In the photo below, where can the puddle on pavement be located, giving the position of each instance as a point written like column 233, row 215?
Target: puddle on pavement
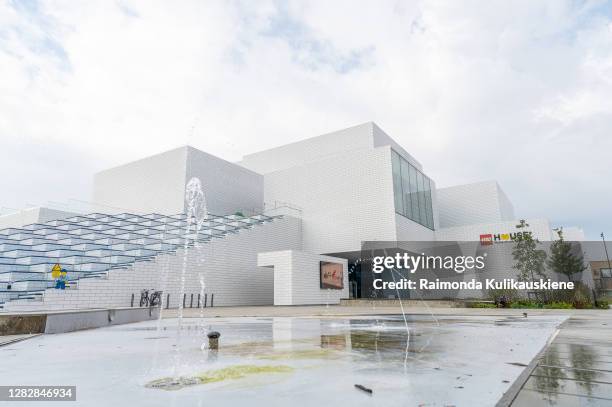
column 355, row 342
column 575, row 370
column 552, row 385
column 572, row 369
column 440, row 361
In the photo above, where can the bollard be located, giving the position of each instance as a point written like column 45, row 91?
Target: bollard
column 167, row 301
column 212, row 298
column 205, row 300
column 191, row 302
column 213, row 340
column 184, row 297
column 199, row 303
column 132, row 302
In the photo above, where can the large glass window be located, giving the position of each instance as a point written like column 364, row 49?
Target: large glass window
column 397, row 181
column 406, row 189
column 428, row 204
column 412, row 191
column 414, row 194
column 422, row 218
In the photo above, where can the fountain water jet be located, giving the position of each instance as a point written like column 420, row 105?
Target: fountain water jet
column 196, row 213
column 163, row 286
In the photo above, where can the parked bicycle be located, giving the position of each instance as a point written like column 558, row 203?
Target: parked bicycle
column 156, row 299
column 144, row 298
column 150, row 300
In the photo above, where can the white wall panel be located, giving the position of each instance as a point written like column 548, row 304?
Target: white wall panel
column 297, row 278
column 228, row 187
column 309, row 150
column 157, row 184
column 539, row 227
column 228, row 266
column 344, row 200
column 153, row 184
column 32, row 215
column 482, row 202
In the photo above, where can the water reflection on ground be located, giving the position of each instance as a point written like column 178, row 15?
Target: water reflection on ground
column 575, row 370
column 298, row 361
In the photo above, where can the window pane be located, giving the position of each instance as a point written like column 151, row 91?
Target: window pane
column 428, row 208
column 406, row 188
column 421, row 186
column 411, row 191
column 397, row 182
column 413, row 194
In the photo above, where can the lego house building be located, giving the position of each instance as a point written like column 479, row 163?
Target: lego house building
column 284, row 226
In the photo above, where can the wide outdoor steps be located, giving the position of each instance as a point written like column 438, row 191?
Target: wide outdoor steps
column 88, row 246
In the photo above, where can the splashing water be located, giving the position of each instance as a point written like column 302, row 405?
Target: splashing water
column 163, row 286
column 399, row 297
column 196, row 213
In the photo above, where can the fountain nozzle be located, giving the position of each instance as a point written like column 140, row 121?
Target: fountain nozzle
column 213, row 340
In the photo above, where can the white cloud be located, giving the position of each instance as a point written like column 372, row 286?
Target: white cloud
column 516, row 91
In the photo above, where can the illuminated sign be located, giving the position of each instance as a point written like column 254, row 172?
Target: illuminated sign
column 486, row 240
column 331, row 275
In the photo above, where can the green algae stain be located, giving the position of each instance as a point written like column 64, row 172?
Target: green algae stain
column 212, row 376
column 300, row 354
column 240, row 371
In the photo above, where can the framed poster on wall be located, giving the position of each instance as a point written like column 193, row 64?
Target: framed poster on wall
column 332, row 275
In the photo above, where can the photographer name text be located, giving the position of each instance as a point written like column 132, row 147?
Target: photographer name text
column 489, row 284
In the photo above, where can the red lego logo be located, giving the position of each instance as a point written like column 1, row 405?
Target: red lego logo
column 486, row 240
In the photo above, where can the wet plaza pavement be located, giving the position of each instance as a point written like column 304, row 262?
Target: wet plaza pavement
column 576, row 369
column 425, row 360
column 9, row 339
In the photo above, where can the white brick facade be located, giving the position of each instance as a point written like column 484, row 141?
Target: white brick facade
column 482, row 202
column 297, row 278
column 540, row 227
column 157, row 184
column 32, row 215
column 228, row 265
column 153, row 184
column 343, row 200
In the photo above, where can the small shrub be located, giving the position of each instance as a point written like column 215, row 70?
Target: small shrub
column 526, row 304
column 560, row 295
column 582, row 297
column 582, row 304
column 603, row 304
column 503, row 298
column 559, row 305
column 483, row 305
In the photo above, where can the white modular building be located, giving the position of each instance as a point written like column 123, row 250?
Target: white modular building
column 285, row 226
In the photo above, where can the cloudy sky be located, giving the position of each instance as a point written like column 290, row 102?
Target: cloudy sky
column 517, row 91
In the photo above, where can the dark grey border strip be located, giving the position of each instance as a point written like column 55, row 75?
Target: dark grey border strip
column 508, row 397
column 23, row 338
